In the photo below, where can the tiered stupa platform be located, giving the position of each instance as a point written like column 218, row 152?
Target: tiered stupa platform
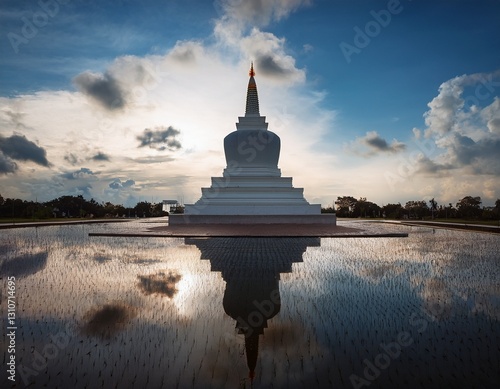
column 251, row 189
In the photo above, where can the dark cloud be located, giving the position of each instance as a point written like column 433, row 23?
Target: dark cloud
column 106, row 321
column 479, row 157
column 161, row 283
column 74, row 159
column 18, row 147
column 482, row 155
column 268, row 65
column 427, row 166
column 118, row 184
column 7, row 165
column 100, row 156
column 377, row 144
column 160, row 138
column 24, row 265
column 103, row 88
column 82, row 173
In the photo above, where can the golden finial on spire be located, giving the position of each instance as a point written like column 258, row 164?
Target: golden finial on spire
column 251, row 73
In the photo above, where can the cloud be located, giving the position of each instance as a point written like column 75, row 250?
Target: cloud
column 494, row 125
column 16, row 118
column 100, row 156
column 160, row 138
column 162, row 283
column 74, row 159
column 462, row 131
column 82, row 173
column 7, row 165
column 307, row 48
column 259, row 12
column 269, row 54
column 269, row 65
column 425, row 165
column 151, row 159
column 446, row 110
column 376, row 145
column 102, row 88
column 186, row 52
column 118, row 184
column 237, row 30
column 19, row 148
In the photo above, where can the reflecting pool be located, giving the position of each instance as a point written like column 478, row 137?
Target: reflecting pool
column 115, row 312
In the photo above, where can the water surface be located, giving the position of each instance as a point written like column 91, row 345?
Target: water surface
column 422, row 311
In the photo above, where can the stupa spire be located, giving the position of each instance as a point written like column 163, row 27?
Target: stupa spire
column 252, row 107
column 252, row 72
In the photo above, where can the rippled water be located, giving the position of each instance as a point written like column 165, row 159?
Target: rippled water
column 92, row 312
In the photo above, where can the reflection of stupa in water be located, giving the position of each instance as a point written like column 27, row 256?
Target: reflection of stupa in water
column 251, row 268
column 251, row 189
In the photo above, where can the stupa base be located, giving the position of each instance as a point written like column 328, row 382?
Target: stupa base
column 325, row 218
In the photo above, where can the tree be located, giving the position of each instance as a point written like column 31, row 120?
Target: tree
column 393, row 211
column 70, row 206
column 345, row 205
column 416, row 209
column 469, row 207
column 143, row 209
column 496, row 210
column 364, row 208
column 433, row 203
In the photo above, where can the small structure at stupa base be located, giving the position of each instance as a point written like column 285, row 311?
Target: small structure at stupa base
column 251, row 189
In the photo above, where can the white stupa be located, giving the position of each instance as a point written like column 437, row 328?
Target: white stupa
column 251, row 189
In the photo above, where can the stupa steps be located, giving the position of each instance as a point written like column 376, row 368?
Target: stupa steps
column 295, row 194
column 251, row 182
column 231, row 201
column 255, row 209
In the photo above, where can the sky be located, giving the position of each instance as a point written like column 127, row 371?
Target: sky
column 128, row 101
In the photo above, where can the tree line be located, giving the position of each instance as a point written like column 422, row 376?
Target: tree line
column 76, row 206
column 468, row 207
